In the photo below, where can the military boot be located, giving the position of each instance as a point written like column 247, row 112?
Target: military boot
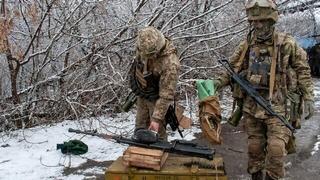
column 257, row 176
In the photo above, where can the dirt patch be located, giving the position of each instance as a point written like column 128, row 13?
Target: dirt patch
column 233, row 150
column 90, row 169
column 301, row 165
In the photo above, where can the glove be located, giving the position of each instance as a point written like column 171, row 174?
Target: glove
column 309, row 107
column 217, row 84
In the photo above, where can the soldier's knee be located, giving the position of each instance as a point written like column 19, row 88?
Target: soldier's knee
column 276, row 147
column 255, row 146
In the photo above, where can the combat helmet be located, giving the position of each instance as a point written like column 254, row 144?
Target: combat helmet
column 150, row 41
column 261, row 10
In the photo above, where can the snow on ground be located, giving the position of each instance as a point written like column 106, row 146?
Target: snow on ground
column 316, row 146
column 31, row 154
column 317, row 94
column 317, row 109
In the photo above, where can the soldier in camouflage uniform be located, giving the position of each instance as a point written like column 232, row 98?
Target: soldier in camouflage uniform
column 154, row 79
column 266, row 59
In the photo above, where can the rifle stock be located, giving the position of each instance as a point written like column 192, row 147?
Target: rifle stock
column 250, row 91
column 176, row 147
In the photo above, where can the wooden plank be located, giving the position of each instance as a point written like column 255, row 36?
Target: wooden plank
column 145, row 151
column 146, row 158
column 164, row 159
column 143, row 164
column 142, row 157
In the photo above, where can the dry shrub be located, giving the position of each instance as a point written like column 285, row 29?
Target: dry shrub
column 33, row 13
column 5, row 29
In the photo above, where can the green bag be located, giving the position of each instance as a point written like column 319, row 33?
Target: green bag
column 205, row 88
column 75, row 147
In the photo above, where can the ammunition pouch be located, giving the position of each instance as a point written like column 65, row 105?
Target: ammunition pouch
column 151, row 91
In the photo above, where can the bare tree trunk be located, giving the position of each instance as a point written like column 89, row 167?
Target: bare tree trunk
column 14, row 67
column 1, row 92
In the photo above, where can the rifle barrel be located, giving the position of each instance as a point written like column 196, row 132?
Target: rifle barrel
column 91, row 133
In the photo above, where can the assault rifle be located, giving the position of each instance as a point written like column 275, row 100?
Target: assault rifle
column 251, row 91
column 176, row 146
column 172, row 120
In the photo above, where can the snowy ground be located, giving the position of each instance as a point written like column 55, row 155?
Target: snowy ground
column 31, row 154
column 317, row 108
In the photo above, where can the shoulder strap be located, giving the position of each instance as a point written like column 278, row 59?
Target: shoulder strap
column 278, row 41
column 245, row 48
column 244, row 52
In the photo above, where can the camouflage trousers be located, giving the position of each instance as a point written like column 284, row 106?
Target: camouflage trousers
column 267, row 140
column 144, row 113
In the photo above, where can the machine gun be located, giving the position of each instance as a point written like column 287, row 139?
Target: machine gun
column 250, row 91
column 176, row 146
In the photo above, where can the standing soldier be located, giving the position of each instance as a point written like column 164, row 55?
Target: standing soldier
column 265, row 59
column 154, row 76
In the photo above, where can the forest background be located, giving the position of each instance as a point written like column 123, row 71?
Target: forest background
column 70, row 59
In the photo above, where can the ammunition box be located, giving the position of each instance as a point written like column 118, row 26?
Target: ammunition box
column 175, row 168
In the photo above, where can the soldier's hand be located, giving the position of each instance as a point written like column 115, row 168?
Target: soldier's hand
column 154, row 126
column 309, row 107
column 217, row 84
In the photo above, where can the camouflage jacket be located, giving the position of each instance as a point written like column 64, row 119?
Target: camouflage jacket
column 292, row 72
column 165, row 68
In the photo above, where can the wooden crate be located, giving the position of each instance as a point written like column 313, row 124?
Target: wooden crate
column 146, row 158
column 175, row 168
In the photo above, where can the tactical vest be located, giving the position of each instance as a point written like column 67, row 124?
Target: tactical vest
column 263, row 66
column 149, row 90
column 259, row 66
